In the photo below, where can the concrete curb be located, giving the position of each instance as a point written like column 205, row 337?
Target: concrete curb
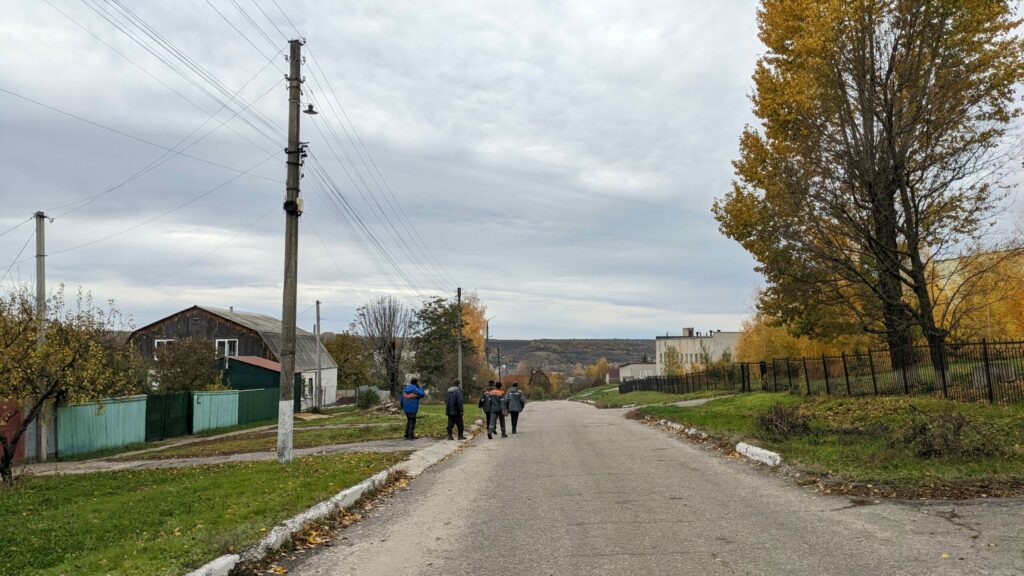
column 759, row 454
column 750, row 451
column 416, row 463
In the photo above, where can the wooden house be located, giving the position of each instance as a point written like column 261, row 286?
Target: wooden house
column 236, row 334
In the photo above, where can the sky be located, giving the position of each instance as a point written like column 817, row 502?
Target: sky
column 559, row 159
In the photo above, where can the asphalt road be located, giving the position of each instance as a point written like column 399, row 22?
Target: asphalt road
column 583, row 491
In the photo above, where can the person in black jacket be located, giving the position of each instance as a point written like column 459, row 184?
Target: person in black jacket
column 454, row 407
column 483, row 401
column 515, row 401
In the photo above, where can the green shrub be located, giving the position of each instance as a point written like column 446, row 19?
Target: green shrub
column 367, row 398
column 536, row 393
column 780, row 422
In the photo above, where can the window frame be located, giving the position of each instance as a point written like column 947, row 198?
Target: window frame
column 227, row 347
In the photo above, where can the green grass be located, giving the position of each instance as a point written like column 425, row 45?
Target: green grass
column 608, row 396
column 161, row 521
column 860, row 439
column 431, row 422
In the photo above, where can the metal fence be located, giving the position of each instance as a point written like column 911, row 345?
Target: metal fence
column 973, row 371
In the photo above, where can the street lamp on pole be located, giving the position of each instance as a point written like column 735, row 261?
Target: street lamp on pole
column 487, row 339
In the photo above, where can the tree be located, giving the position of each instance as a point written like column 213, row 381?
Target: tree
column 354, row 362
column 385, row 324
column 595, row 374
column 187, row 364
column 879, row 151
column 80, row 359
column 437, row 341
column 673, row 365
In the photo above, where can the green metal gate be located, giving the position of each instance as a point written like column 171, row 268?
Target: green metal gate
column 168, row 415
column 257, row 405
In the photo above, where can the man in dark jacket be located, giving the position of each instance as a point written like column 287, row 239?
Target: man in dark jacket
column 411, row 395
column 453, row 408
column 516, row 401
column 495, row 407
column 483, row 401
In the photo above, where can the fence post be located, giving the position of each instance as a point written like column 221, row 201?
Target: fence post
column 789, row 375
column 988, row 371
column 846, row 374
column 903, row 370
column 807, row 375
column 824, row 367
column 775, row 376
column 874, row 381
column 942, row 370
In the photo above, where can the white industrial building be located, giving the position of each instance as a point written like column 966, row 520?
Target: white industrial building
column 694, row 348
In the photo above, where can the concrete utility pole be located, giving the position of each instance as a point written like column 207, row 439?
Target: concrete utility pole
column 292, row 209
column 499, row 362
column 319, row 388
column 41, row 447
column 458, row 295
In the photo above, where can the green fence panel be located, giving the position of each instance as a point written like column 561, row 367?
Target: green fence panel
column 256, row 405
column 109, row 423
column 168, row 415
column 214, row 410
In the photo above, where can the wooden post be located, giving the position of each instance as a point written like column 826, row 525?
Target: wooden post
column 988, row 371
column 807, row 375
column 846, row 374
column 874, row 380
column 824, row 366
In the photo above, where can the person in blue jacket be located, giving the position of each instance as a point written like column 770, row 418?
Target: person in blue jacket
column 411, row 395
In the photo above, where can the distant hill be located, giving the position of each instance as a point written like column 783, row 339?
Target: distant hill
column 561, row 355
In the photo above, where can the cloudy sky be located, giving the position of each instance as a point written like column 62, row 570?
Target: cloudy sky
column 558, row 158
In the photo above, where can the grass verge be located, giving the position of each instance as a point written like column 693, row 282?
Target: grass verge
column 877, row 440
column 608, row 396
column 431, row 422
column 162, row 521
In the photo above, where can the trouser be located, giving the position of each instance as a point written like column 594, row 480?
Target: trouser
column 456, row 421
column 496, row 417
column 410, row 425
column 515, row 420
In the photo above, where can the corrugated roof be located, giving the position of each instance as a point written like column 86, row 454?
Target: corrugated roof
column 305, row 350
column 252, row 320
column 270, row 329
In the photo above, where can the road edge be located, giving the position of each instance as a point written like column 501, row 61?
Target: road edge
column 414, row 465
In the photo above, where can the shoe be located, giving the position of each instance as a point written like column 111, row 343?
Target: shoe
column 513, row 431
column 450, row 437
column 413, row 438
column 504, row 435
column 461, row 438
column 489, row 437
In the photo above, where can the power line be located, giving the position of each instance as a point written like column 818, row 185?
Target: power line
column 211, row 252
column 131, row 136
column 165, row 157
column 165, row 213
column 15, row 261
column 16, row 226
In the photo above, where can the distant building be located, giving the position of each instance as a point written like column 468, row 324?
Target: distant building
column 238, row 334
column 694, row 348
column 637, row 370
column 612, row 376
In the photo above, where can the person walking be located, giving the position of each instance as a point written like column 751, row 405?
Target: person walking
column 495, row 406
column 453, row 408
column 411, row 395
column 516, row 401
column 483, row 402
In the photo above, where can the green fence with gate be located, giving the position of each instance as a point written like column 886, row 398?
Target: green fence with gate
column 214, row 410
column 168, row 415
column 257, row 405
column 93, row 426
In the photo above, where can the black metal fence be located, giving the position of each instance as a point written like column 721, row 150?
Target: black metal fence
column 975, row 371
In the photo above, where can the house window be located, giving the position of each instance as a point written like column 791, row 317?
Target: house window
column 227, row 347
column 159, row 343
